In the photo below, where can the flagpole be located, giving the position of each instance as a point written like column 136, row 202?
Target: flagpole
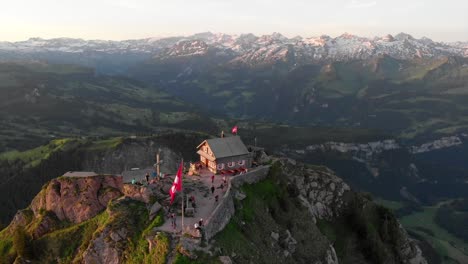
column 181, row 181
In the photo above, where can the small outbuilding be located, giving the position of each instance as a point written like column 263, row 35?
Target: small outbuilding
column 224, row 153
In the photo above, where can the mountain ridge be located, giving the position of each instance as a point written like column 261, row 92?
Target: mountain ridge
column 248, row 49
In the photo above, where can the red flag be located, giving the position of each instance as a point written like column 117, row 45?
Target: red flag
column 177, row 185
column 234, row 130
column 172, row 192
column 178, row 177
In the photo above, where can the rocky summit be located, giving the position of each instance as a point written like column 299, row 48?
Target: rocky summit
column 282, row 212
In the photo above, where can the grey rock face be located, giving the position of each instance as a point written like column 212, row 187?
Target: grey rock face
column 104, row 249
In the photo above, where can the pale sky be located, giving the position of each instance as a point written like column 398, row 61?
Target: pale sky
column 441, row 20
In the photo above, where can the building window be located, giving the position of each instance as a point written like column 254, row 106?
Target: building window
column 220, row 166
column 231, row 164
column 205, row 149
column 241, row 162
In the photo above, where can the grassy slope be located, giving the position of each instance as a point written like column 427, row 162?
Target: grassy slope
column 423, row 224
column 412, row 98
column 446, row 244
column 267, row 208
column 40, row 101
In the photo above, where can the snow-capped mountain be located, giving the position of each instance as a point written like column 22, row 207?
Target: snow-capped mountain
column 245, row 49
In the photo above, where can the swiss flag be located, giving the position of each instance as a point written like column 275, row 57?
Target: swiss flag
column 177, row 185
column 172, row 192
column 234, row 130
column 178, row 177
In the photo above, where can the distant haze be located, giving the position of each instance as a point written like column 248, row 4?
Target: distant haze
column 129, row 19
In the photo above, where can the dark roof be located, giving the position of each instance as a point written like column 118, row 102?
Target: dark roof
column 226, row 146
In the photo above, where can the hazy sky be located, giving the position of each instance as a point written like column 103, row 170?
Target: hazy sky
column 442, row 20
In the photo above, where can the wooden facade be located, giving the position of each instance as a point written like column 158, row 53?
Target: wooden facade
column 226, row 153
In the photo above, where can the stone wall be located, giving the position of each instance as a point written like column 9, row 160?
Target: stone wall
column 221, row 215
column 255, row 175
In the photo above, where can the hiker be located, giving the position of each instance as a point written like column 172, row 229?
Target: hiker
column 200, row 223
column 194, row 205
column 133, row 181
column 173, row 220
column 212, row 189
column 224, row 180
column 193, row 198
column 221, row 187
column 216, row 198
column 147, row 178
column 212, row 178
column 198, row 228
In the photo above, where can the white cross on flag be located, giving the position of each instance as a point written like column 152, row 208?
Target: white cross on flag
column 177, row 185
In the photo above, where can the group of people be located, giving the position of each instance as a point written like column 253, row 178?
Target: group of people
column 198, row 226
column 223, row 183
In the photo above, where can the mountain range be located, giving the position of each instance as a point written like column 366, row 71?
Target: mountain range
column 245, row 49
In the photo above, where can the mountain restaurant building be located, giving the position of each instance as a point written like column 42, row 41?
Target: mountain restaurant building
column 224, row 153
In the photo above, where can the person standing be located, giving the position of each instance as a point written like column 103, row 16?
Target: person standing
column 147, row 178
column 212, row 189
column 212, row 179
column 224, row 180
column 173, row 220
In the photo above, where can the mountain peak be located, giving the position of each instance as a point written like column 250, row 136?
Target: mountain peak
column 403, row 36
column 279, row 36
column 347, row 35
column 388, row 38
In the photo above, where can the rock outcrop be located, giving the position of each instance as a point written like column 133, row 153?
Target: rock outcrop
column 137, row 192
column 319, row 189
column 104, row 248
column 328, row 197
column 77, row 199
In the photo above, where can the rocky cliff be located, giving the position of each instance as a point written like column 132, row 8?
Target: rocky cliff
column 306, row 214
column 294, row 214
